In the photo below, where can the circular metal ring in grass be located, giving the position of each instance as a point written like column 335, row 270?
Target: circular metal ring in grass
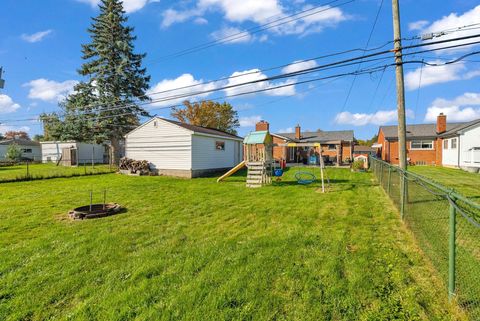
column 95, row 211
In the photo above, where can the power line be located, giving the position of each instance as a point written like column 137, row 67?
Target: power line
column 363, row 71
column 366, row 46
column 289, row 64
column 309, row 70
column 256, row 29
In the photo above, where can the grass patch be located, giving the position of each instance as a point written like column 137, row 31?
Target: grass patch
column 19, row 172
column 463, row 182
column 198, row 250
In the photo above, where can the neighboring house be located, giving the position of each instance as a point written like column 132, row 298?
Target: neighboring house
column 178, row 149
column 461, row 145
column 72, row 153
column 30, row 149
column 360, row 150
column 336, row 145
column 426, row 142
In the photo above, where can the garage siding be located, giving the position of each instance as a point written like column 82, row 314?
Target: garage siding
column 165, row 146
column 206, row 156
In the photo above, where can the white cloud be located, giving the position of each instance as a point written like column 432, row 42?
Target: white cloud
column 171, row 16
column 462, row 108
column 200, row 21
column 299, row 65
column 417, row 25
column 4, row 129
column 240, row 11
column 181, row 81
column 240, row 77
column 453, row 21
column 37, row 36
column 49, row 90
column 380, row 117
column 7, row 105
column 128, row 5
column 261, row 12
column 434, row 75
column 249, row 121
column 234, row 35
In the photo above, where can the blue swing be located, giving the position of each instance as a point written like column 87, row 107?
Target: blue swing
column 305, row 178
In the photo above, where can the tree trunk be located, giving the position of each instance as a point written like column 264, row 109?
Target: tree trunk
column 115, row 151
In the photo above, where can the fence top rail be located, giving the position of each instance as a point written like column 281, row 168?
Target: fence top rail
column 450, row 192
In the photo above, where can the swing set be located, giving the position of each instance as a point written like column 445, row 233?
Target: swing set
column 307, row 177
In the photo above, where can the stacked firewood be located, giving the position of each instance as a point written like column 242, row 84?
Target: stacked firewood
column 134, row 166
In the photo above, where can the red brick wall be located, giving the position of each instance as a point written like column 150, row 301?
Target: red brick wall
column 279, row 152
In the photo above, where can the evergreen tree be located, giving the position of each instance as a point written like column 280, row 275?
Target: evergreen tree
column 105, row 105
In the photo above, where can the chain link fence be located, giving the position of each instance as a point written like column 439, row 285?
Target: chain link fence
column 446, row 226
column 27, row 170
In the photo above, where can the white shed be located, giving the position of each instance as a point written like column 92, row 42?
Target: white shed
column 78, row 153
column 30, row 149
column 178, row 149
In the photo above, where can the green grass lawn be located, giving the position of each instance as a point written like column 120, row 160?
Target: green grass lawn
column 198, row 250
column 39, row 171
column 463, row 182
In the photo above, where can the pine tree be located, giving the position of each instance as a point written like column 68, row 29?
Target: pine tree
column 105, row 105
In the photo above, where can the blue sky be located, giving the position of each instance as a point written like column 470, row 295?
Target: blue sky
column 40, row 52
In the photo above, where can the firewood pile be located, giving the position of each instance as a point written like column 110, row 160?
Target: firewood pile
column 134, row 166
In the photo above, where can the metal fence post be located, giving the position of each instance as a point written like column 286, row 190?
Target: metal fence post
column 451, row 252
column 28, row 171
column 389, row 179
column 84, row 168
column 381, row 174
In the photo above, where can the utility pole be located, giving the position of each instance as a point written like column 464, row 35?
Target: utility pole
column 2, row 82
column 402, row 131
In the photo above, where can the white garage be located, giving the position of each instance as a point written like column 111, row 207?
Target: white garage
column 179, row 149
column 73, row 153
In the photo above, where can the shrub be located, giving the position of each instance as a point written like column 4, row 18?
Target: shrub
column 358, row 165
column 14, row 152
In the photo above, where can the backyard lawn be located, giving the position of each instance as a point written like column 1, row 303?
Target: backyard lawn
column 198, row 250
column 39, row 171
column 463, row 182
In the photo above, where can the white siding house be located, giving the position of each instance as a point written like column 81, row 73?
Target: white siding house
column 30, row 149
column 184, row 150
column 84, row 152
column 461, row 146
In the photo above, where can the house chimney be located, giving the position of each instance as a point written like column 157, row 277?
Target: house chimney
column 262, row 125
column 441, row 123
column 298, row 134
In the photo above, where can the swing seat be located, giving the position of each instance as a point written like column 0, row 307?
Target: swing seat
column 304, row 178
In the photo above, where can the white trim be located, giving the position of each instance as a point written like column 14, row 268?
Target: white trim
column 218, row 136
column 421, row 140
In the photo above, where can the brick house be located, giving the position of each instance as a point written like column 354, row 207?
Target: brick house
column 424, row 142
column 336, row 145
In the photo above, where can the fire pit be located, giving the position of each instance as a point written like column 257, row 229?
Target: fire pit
column 95, row 211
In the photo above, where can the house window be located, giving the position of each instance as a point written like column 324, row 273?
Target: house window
column 421, row 144
column 26, row 150
column 292, row 153
column 332, row 147
column 454, row 143
column 445, row 144
column 219, row 145
column 155, row 124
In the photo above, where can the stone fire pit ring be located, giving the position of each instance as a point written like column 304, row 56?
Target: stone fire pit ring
column 96, row 211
